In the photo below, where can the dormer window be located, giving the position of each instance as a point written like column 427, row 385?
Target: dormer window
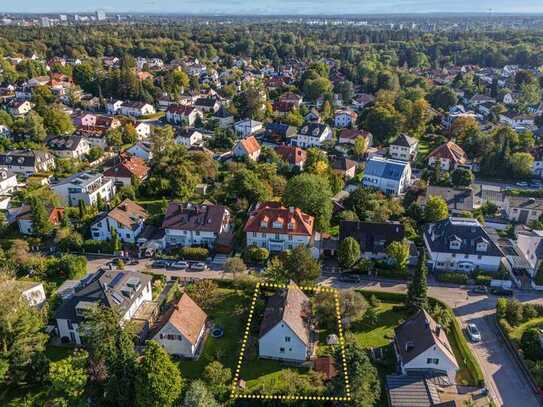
column 482, row 246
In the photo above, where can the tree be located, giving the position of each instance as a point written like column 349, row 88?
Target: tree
column 218, row 379
column 521, row 164
column 348, row 252
column 363, row 375
column 40, row 218
column 417, row 292
column 442, row 97
column 360, row 146
column 530, row 344
column 198, row 395
column 235, row 265
column 436, row 209
column 116, row 244
column 398, row 251
column 57, row 122
column 158, row 382
column 203, row 292
column 22, row 335
column 110, row 345
column 312, row 195
column 383, row 121
column 314, row 88
column 297, row 265
column 69, row 376
column 462, row 177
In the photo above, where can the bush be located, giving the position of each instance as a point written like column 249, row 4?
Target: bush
column 257, row 254
column 455, row 278
column 530, row 345
column 483, row 280
column 194, row 253
column 96, row 246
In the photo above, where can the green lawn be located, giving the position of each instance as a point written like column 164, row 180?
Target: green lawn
column 517, row 331
column 381, row 334
column 226, row 313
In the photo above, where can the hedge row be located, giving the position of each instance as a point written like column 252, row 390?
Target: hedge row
column 455, row 278
column 456, row 333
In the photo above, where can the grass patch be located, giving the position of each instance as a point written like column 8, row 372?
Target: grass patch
column 227, row 312
column 390, row 315
column 56, row 353
column 516, row 332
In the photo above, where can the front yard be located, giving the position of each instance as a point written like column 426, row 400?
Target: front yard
column 228, row 312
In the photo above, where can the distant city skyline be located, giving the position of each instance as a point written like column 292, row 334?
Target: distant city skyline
column 271, row 7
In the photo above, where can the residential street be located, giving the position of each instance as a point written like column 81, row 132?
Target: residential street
column 507, row 385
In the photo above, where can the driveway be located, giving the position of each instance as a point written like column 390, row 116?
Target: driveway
column 507, row 385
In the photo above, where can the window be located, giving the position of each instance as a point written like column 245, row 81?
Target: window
column 287, row 338
column 197, row 233
column 289, row 237
column 70, row 326
column 282, row 350
column 254, row 234
column 72, row 337
column 432, row 361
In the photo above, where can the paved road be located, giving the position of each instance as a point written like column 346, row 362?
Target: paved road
column 507, row 385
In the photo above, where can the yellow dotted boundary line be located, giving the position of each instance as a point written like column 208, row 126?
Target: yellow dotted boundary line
column 235, row 395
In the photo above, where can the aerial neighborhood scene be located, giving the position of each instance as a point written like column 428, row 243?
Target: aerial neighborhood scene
column 291, row 203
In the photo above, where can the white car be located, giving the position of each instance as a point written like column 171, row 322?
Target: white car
column 180, row 265
column 198, row 266
column 473, row 333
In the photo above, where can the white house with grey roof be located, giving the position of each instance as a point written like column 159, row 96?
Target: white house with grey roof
column 86, row 187
column 421, row 345
column 403, row 148
column 124, row 291
column 313, row 135
column 285, row 333
column 461, row 245
column 387, row 175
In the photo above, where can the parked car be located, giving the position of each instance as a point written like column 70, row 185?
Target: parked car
column 160, row 264
column 198, row 266
column 480, row 289
column 522, row 184
column 502, row 292
column 473, row 333
column 180, row 265
column 349, row 278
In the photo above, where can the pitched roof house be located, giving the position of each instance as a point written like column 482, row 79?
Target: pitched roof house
column 294, row 156
column 422, row 345
column 130, row 166
column 458, row 200
column 127, row 219
column 450, row 155
column 348, row 136
column 181, row 330
column 285, row 333
column 390, row 176
column 248, row 147
column 403, row 148
column 277, row 228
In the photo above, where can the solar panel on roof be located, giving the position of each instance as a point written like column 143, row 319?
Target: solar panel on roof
column 117, row 279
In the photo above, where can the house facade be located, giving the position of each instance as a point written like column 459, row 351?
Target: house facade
column 449, row 155
column 245, row 128
column 27, row 162
column 127, row 219
column 181, row 330
column 247, row 147
column 461, row 245
column 284, row 332
column 86, row 187
column 421, row 345
column 403, row 148
column 276, row 228
column 313, row 135
column 125, row 291
column 387, row 175
column 523, row 209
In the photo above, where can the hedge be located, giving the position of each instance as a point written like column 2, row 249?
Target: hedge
column 483, row 280
column 456, row 334
column 455, row 278
column 194, row 253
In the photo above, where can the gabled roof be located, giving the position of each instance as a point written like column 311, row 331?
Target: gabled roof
column 129, row 166
column 313, row 129
column 290, row 221
column 129, row 214
column 418, row 334
column 450, row 151
column 469, row 231
column 188, row 216
column 290, row 306
column 351, row 134
column 250, row 145
column 372, row 237
column 187, row 317
column 403, row 140
column 292, row 155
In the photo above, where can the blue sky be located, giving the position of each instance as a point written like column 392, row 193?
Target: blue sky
column 275, row 6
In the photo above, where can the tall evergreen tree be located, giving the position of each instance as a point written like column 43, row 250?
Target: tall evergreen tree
column 417, row 292
column 40, row 218
column 159, row 382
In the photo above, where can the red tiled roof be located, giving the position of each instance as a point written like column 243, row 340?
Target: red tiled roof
column 451, row 151
column 187, row 317
column 250, row 145
column 352, row 134
column 183, row 110
column 293, row 221
column 292, row 155
column 130, row 165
